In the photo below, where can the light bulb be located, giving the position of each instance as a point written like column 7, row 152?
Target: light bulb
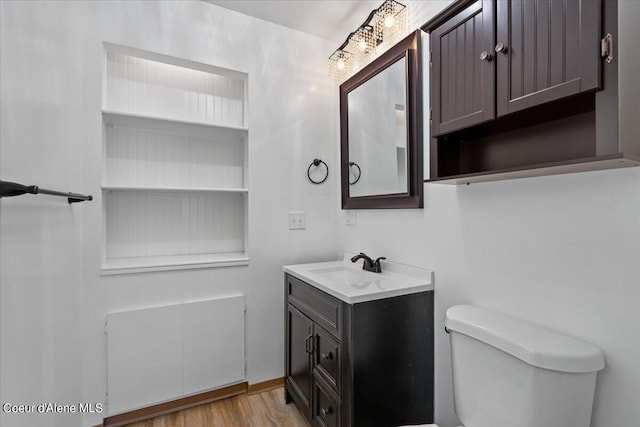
column 340, row 64
column 388, row 21
column 362, row 45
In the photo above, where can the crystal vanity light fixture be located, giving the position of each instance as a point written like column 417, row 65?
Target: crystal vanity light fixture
column 382, row 28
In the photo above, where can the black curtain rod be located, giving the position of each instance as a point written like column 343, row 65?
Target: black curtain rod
column 10, row 189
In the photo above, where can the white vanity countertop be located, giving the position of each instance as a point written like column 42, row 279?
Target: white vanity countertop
column 348, row 282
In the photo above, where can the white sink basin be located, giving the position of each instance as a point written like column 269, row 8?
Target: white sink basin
column 350, row 283
column 347, row 276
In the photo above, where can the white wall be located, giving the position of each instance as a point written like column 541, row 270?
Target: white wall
column 41, row 242
column 54, row 301
column 559, row 251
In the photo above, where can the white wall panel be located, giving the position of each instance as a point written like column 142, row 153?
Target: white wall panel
column 147, row 156
column 148, row 224
column 144, row 355
column 142, row 86
column 163, row 353
column 213, row 343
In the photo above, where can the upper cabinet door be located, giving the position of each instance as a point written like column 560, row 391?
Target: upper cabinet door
column 462, row 69
column 546, row 50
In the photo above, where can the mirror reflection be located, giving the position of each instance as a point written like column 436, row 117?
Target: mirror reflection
column 378, row 133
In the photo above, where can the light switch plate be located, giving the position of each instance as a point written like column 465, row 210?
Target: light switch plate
column 351, row 218
column 297, row 221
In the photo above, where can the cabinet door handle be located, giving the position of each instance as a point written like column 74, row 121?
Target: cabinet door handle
column 486, row 56
column 327, row 356
column 309, row 344
column 606, row 48
column 500, row 47
column 327, row 411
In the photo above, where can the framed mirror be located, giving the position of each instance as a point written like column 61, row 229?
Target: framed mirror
column 381, row 131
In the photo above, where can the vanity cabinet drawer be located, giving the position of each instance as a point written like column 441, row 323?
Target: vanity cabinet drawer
column 326, row 408
column 327, row 357
column 319, row 306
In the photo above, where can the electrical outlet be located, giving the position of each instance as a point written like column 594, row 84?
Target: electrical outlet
column 296, row 221
column 351, row 218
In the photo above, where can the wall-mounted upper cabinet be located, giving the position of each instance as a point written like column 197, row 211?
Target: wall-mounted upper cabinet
column 523, row 88
column 493, row 58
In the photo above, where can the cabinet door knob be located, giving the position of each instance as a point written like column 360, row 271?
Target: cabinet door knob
column 327, row 411
column 485, row 56
column 500, row 47
column 327, row 356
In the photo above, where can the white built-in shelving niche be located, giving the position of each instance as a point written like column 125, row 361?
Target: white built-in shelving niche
column 174, row 184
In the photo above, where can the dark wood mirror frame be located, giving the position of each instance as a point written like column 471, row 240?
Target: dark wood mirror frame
column 409, row 48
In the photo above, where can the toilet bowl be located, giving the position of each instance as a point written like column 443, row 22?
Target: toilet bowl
column 507, row 370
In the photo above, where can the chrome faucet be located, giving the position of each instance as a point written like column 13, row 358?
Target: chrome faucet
column 369, row 264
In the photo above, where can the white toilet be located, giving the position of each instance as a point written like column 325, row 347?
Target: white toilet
column 511, row 373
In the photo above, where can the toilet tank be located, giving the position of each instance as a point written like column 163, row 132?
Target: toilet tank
column 512, row 373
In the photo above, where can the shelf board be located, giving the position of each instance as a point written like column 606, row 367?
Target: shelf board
column 172, row 262
column 147, row 122
column 173, row 189
column 613, row 161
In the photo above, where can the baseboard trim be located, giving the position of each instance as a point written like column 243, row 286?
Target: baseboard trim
column 265, row 386
column 175, row 405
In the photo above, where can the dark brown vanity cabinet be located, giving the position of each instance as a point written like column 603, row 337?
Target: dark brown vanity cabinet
column 496, row 57
column 366, row 364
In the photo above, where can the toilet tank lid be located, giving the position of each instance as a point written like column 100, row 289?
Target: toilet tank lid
column 530, row 343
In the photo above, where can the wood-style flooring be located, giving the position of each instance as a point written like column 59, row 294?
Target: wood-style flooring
column 263, row 409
